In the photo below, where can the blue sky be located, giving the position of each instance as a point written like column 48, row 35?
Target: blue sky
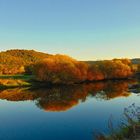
column 83, row 29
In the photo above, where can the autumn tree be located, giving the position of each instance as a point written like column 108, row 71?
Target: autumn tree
column 110, row 69
column 16, row 61
column 64, row 69
column 61, row 69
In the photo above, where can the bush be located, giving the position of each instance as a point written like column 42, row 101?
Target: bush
column 110, row 69
column 64, row 69
column 61, row 69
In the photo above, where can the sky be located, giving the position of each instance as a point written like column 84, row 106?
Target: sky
column 83, row 29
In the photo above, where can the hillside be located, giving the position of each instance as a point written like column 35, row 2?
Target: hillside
column 15, row 61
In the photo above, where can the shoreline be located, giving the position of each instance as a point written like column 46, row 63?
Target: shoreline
column 15, row 81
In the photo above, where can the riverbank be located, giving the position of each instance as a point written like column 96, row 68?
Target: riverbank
column 13, row 81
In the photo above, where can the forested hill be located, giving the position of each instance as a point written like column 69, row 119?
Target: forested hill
column 15, row 61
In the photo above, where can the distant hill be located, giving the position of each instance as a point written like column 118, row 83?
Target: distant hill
column 15, row 61
column 136, row 61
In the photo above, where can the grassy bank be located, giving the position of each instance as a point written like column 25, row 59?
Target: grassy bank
column 11, row 81
column 19, row 76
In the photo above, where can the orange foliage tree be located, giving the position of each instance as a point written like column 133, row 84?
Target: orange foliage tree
column 19, row 61
column 64, row 69
column 110, row 69
column 61, row 69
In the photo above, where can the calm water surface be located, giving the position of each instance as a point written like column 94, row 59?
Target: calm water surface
column 63, row 113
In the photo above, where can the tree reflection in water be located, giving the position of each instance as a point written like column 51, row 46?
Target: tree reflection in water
column 62, row 98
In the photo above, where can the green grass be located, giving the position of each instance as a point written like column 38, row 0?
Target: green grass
column 20, row 76
column 11, row 81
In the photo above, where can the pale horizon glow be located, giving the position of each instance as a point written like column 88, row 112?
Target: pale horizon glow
column 82, row 29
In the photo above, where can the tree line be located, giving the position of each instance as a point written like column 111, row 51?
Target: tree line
column 64, row 69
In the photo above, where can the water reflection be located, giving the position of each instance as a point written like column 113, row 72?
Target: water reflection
column 65, row 97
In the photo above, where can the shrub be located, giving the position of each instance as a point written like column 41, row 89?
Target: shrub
column 61, row 69
column 110, row 69
column 64, row 69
